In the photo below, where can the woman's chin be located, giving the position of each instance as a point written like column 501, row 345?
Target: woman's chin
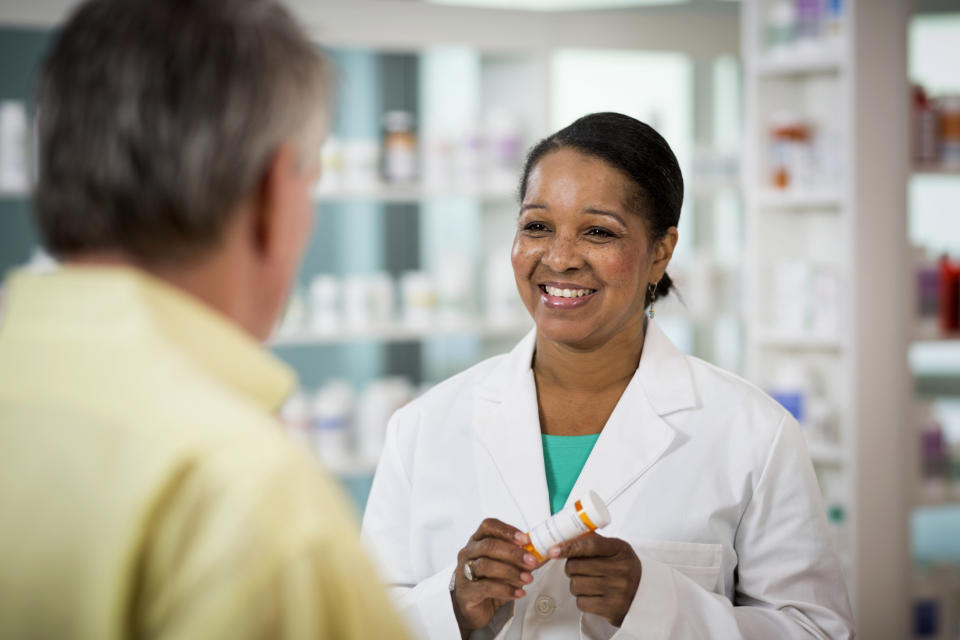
column 568, row 332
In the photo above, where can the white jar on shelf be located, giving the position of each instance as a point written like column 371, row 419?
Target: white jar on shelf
column 419, row 299
column 332, row 418
column 14, row 163
column 325, row 304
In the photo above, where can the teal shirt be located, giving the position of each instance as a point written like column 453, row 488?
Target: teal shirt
column 563, row 458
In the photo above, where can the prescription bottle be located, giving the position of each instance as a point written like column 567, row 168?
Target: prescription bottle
column 580, row 518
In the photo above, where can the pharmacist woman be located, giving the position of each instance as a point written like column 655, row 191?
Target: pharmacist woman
column 717, row 526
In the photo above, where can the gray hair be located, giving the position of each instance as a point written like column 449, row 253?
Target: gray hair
column 156, row 118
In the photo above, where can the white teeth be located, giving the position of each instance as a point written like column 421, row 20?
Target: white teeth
column 567, row 293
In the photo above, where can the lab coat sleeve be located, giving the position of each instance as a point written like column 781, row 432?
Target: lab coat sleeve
column 424, row 602
column 790, row 582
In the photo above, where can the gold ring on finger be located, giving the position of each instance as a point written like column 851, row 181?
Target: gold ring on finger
column 468, row 571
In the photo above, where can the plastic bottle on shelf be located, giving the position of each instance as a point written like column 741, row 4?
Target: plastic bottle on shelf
column 821, row 420
column 809, row 16
column 839, row 529
column 926, row 128
column 504, row 150
column 780, row 28
column 382, row 290
column 332, row 420
column 360, row 164
column 949, row 295
column 790, row 152
column 928, row 291
column 399, row 147
column 833, row 18
column 933, row 453
column 14, row 165
column 295, row 416
column 455, row 286
column 419, row 299
column 949, row 107
column 325, row 304
column 379, row 400
column 790, row 387
column 357, row 302
column 331, row 166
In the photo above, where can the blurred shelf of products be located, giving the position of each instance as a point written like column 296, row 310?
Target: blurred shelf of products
column 407, row 279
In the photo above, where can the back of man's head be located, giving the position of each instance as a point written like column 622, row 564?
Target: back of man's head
column 157, row 118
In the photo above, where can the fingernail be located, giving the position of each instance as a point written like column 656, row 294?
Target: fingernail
column 554, row 552
column 529, row 560
column 519, row 593
column 526, row 577
column 521, row 538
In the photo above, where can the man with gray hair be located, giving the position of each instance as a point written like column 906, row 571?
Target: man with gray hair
column 145, row 488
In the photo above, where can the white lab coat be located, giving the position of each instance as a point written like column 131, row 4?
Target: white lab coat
column 705, row 476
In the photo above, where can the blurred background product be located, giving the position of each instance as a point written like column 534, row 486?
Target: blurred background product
column 819, row 240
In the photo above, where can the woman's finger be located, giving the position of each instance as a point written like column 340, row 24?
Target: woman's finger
column 589, row 586
column 486, row 589
column 489, row 568
column 493, row 528
column 592, row 545
column 503, row 551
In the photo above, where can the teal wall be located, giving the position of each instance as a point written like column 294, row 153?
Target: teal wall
column 21, row 54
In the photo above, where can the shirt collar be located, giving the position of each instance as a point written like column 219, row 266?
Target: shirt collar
column 663, row 372
column 123, row 304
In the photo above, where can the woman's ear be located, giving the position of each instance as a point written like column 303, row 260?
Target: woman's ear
column 663, row 252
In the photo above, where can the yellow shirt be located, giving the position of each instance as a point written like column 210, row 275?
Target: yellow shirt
column 145, row 489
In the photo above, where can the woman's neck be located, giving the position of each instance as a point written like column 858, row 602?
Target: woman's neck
column 599, row 369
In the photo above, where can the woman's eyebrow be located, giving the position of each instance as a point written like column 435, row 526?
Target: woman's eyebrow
column 604, row 212
column 532, row 206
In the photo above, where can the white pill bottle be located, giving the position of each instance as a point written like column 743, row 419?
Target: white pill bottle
column 578, row 519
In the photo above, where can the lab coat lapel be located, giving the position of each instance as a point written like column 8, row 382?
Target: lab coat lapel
column 636, row 435
column 507, row 424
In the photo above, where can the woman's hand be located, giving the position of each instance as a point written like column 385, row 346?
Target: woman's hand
column 604, row 574
column 500, row 568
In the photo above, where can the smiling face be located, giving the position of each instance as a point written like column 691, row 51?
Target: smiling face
column 582, row 256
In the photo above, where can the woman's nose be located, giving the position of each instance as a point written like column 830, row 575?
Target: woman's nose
column 562, row 254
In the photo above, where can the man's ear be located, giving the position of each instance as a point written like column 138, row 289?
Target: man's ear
column 272, row 200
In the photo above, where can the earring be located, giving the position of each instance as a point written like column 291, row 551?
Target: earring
column 652, row 288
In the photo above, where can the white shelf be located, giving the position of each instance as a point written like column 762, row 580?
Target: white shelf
column 825, row 454
column 811, row 60
column 796, row 199
column 797, row 342
column 939, row 496
column 935, row 170
column 14, row 194
column 399, row 333
column 932, row 334
column 413, row 193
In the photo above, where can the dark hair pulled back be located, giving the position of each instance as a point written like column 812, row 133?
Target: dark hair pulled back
column 638, row 151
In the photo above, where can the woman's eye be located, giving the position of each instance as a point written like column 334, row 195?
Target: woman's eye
column 535, row 227
column 600, row 232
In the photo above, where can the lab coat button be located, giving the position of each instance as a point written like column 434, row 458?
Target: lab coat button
column 545, row 605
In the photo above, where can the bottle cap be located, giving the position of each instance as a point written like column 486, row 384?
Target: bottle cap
column 593, row 511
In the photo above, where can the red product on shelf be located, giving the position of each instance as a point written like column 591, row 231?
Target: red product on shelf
column 926, row 129
column 949, row 295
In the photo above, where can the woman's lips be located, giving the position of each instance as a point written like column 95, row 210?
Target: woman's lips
column 568, row 298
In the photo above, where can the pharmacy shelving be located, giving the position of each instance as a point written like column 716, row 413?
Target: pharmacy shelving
column 936, row 170
column 818, row 60
column 415, row 193
column 849, row 87
column 785, row 200
column 792, row 342
column 398, row 332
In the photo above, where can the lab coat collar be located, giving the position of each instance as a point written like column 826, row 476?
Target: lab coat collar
column 634, row 438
